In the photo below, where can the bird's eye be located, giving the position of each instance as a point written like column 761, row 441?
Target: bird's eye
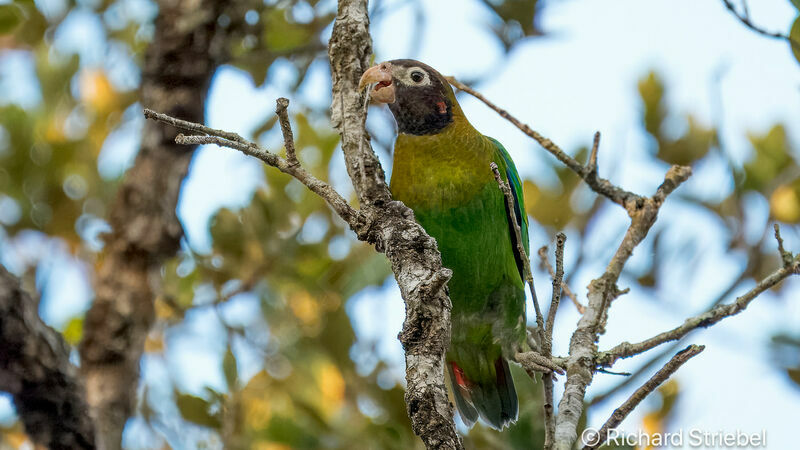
column 417, row 76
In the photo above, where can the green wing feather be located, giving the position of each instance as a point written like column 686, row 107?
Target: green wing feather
column 514, row 181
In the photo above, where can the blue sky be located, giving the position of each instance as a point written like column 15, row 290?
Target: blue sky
column 578, row 79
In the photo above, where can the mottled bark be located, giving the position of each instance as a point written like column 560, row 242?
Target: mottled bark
column 390, row 225
column 35, row 370
column 179, row 63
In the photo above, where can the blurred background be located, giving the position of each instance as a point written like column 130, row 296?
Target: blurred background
column 277, row 329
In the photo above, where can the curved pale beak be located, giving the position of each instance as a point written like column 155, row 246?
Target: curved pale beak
column 381, row 76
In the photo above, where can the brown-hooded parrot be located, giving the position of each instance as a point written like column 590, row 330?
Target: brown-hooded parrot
column 442, row 172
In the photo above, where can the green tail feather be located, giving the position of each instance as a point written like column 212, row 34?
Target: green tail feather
column 493, row 398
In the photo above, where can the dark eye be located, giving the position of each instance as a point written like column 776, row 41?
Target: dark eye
column 417, row 76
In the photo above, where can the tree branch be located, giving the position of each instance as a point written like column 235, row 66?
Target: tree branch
column 587, row 173
column 744, row 18
column 387, row 224
column 548, row 378
column 414, row 256
column 704, row 320
column 236, row 142
column 580, row 365
column 35, row 369
column 564, row 286
column 622, row 412
column 145, row 231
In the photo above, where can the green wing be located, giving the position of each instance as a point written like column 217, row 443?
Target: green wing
column 519, row 204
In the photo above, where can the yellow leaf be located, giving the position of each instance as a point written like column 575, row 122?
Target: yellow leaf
column 304, row 307
column 73, row 331
column 163, row 310
column 96, row 90
column 331, row 385
column 257, row 412
column 784, row 203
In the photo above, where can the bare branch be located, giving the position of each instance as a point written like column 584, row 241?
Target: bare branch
column 705, row 320
column 786, row 257
column 145, row 231
column 564, row 286
column 588, row 174
column 744, row 17
column 582, row 349
column 35, row 369
column 592, row 164
column 558, row 283
column 622, row 412
column 286, row 130
column 547, row 379
column 390, row 225
column 602, row 397
column 236, row 142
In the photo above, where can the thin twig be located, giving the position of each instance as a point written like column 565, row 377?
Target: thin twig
column 746, row 21
column 286, row 129
column 600, row 398
column 592, row 164
column 191, row 126
column 526, row 264
column 786, row 257
column 597, row 184
column 564, row 285
column 611, row 372
column 236, row 142
column 620, row 413
column 558, row 283
column 547, row 345
column 708, row 318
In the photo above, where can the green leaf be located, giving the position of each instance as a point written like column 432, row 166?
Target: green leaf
column 195, row 410
column 794, row 36
column 229, row 368
column 10, row 16
column 771, row 158
column 796, row 3
column 651, row 91
column 73, row 331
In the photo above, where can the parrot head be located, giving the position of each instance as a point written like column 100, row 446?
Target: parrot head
column 419, row 97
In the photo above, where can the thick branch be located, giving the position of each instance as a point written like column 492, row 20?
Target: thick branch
column 35, row 370
column 580, row 365
column 708, row 318
column 186, row 49
column 389, row 225
column 622, row 412
column 414, row 256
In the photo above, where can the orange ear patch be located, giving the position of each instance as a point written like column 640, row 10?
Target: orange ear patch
column 442, row 107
